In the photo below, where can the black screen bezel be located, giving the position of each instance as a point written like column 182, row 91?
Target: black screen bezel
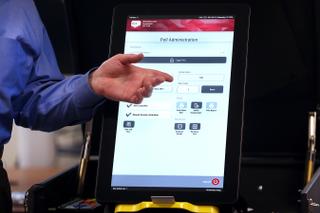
column 229, row 193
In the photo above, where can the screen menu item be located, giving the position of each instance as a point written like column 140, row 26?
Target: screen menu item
column 177, row 137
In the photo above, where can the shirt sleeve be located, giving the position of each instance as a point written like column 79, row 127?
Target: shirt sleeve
column 57, row 104
column 49, row 101
column 36, row 95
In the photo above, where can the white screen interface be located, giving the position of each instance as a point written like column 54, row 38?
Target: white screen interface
column 177, row 137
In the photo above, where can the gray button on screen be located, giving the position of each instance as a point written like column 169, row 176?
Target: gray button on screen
column 179, row 126
column 128, row 124
column 196, row 105
column 194, row 126
column 211, row 89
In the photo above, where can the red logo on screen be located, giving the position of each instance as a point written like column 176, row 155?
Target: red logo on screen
column 215, row 181
column 135, row 23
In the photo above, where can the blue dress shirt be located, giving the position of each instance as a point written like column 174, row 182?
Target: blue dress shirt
column 33, row 92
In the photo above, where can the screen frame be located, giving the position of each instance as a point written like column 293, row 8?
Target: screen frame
column 229, row 193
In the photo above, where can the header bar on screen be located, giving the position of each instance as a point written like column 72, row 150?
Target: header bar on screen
column 179, row 25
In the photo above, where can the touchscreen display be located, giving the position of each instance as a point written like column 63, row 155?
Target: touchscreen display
column 177, row 137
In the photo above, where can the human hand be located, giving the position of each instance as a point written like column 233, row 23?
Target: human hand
column 117, row 79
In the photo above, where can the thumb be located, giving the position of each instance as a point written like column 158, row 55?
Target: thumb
column 129, row 58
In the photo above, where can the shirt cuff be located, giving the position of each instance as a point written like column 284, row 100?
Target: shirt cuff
column 84, row 96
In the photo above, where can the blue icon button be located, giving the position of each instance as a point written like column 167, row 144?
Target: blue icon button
column 196, row 105
column 128, row 124
column 194, row 126
column 179, row 126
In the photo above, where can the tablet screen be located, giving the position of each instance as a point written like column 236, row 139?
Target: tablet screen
column 185, row 140
column 177, row 138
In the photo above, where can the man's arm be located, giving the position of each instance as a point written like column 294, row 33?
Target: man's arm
column 49, row 102
column 117, row 79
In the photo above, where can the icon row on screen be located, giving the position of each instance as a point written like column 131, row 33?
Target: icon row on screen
column 182, row 126
column 177, row 126
column 183, row 105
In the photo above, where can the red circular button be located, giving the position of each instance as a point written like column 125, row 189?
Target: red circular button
column 215, row 181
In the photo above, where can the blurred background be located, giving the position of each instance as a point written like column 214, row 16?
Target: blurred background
column 30, row 149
